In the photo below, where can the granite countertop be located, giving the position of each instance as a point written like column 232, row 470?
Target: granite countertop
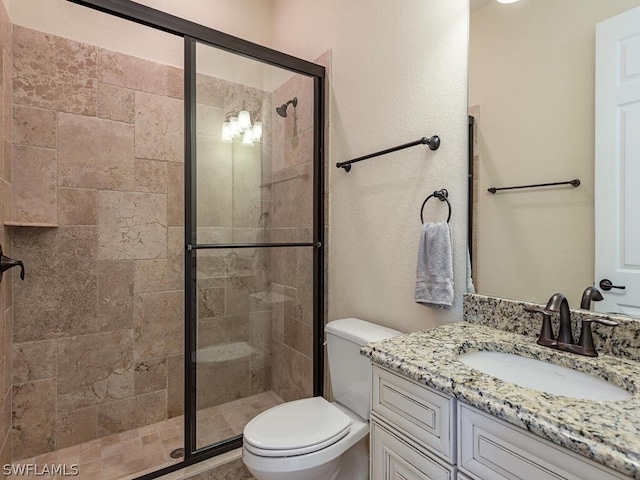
column 607, row 432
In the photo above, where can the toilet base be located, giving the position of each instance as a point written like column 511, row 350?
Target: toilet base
column 327, row 471
column 354, row 463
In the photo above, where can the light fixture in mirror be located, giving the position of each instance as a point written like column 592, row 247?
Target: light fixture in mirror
column 238, row 124
column 244, row 120
column 507, row 1
column 532, row 77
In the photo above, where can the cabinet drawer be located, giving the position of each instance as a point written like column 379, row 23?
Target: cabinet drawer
column 427, row 416
column 492, row 449
column 397, row 458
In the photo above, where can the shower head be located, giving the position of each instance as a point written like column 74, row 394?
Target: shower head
column 282, row 109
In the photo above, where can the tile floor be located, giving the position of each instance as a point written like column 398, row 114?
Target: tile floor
column 127, row 455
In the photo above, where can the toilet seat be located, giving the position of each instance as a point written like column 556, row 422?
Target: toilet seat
column 296, row 428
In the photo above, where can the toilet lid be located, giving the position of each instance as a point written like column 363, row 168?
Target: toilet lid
column 295, row 428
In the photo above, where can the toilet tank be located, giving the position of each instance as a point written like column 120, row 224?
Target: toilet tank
column 350, row 371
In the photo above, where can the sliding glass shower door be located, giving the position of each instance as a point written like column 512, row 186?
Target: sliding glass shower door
column 253, row 241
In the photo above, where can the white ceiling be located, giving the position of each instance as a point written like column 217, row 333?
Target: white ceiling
column 476, row 4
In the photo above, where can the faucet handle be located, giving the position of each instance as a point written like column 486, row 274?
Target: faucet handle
column 6, row 263
column 590, row 294
column 540, row 310
column 546, row 332
column 602, row 321
column 586, row 338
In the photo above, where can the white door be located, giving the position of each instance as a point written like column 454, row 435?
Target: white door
column 617, row 162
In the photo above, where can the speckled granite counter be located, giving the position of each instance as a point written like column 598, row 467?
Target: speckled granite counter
column 607, row 432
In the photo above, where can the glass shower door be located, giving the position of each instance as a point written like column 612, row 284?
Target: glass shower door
column 252, row 242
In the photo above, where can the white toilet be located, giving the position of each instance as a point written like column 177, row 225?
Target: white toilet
column 312, row 439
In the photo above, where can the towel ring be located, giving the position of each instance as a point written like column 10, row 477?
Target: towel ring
column 440, row 195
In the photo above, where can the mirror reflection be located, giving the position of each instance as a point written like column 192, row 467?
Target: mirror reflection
column 532, row 94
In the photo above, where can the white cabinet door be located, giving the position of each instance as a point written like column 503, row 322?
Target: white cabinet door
column 393, row 457
column 492, row 449
column 422, row 413
column 617, row 162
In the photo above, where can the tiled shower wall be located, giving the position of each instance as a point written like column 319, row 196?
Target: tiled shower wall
column 98, row 328
column 292, row 221
column 6, row 64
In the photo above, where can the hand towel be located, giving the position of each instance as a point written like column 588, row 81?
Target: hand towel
column 434, row 276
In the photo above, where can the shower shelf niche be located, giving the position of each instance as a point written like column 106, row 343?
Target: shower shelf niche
column 10, row 223
column 270, row 297
column 224, row 353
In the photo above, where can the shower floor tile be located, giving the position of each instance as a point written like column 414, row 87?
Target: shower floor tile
column 129, row 454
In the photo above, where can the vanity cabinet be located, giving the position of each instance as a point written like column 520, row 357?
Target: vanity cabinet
column 418, row 433
column 491, row 449
column 412, row 430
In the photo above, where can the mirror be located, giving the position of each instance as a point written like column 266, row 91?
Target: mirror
column 531, row 92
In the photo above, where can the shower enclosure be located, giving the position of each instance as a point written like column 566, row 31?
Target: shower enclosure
column 256, row 262
column 175, row 252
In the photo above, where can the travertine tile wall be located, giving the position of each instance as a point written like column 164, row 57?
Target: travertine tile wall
column 6, row 65
column 98, row 328
column 292, row 221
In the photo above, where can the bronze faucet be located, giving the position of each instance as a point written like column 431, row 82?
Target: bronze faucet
column 590, row 294
column 558, row 303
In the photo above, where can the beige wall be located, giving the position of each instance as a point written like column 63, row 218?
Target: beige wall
column 398, row 74
column 531, row 73
column 248, row 19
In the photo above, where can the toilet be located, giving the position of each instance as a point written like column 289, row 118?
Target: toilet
column 313, row 439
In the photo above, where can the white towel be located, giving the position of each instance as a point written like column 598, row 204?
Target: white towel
column 434, row 278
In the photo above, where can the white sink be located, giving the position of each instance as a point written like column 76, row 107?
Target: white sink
column 543, row 376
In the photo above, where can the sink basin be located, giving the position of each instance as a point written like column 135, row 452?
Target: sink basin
column 543, row 376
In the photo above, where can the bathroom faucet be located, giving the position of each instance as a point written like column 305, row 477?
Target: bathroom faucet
column 590, row 294
column 558, row 303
